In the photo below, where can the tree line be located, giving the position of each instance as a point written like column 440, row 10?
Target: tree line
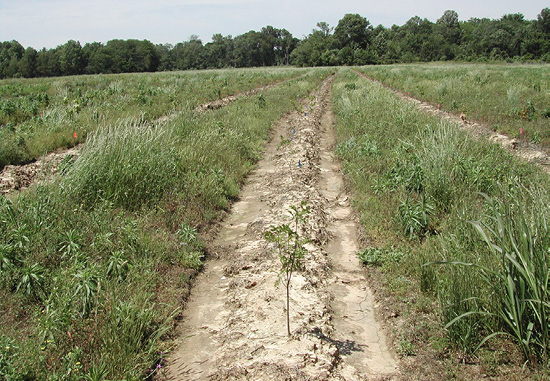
column 354, row 41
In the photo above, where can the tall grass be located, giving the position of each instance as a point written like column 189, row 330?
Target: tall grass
column 520, row 240
column 507, row 98
column 38, row 116
column 416, row 183
column 95, row 265
column 130, row 164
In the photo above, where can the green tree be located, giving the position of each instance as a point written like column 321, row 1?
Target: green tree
column 415, row 40
column 448, row 26
column 289, row 242
column 281, row 44
column 145, row 56
column 163, row 52
column 316, row 48
column 541, row 35
column 10, row 54
column 219, row 52
column 189, row 54
column 96, row 58
column 71, row 59
column 27, row 65
column 543, row 21
column 353, row 31
column 47, row 63
column 252, row 49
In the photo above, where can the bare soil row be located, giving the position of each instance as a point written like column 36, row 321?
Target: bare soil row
column 234, row 325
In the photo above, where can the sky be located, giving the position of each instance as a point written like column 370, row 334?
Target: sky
column 49, row 23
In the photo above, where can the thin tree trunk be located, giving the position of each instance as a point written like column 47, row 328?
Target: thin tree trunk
column 288, row 307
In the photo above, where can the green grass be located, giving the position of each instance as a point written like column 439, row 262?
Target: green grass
column 95, row 266
column 416, row 182
column 507, row 98
column 38, row 116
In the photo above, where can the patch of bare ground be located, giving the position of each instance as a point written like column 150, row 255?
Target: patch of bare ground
column 219, row 103
column 522, row 149
column 18, row 177
column 234, row 324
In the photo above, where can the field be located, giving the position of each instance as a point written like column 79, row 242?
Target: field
column 511, row 99
column 42, row 115
column 96, row 266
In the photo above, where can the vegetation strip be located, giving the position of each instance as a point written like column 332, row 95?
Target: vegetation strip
column 20, row 177
column 527, row 151
column 40, row 116
column 420, row 201
column 507, row 99
column 232, row 98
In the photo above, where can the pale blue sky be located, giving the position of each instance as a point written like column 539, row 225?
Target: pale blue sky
column 48, row 23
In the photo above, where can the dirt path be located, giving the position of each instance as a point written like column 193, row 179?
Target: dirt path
column 234, row 324
column 525, row 150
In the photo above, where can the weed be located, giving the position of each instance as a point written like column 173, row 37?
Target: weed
column 7, row 257
column 70, row 246
column 9, row 352
column 132, row 331
column 414, row 217
column 192, row 259
column 87, row 287
column 261, row 101
column 97, row 372
column 357, row 148
column 350, row 86
column 118, row 265
column 528, row 111
column 406, row 348
column 520, row 284
column 374, row 256
column 32, row 281
column 284, row 142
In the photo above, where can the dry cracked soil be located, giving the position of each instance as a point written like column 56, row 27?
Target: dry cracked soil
column 234, row 324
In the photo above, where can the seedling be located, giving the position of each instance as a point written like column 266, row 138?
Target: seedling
column 290, row 247
column 284, row 142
